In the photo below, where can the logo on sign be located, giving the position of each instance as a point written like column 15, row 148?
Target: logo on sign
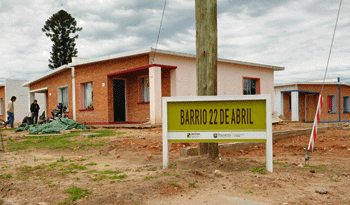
column 215, row 135
column 188, row 135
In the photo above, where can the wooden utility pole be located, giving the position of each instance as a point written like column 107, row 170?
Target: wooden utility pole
column 206, row 61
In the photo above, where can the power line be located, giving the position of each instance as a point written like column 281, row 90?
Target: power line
column 330, row 50
column 160, row 28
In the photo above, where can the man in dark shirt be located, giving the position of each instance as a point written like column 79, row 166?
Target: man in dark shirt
column 34, row 108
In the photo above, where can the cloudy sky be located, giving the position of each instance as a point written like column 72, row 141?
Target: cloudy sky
column 293, row 34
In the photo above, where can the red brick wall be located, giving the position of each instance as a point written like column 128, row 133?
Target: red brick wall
column 2, row 95
column 103, row 96
column 61, row 79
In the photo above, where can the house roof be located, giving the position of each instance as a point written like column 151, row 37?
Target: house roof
column 330, row 81
column 82, row 61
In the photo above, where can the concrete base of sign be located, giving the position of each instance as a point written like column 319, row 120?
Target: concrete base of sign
column 235, row 146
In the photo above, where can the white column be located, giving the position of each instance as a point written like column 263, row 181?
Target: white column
column 295, row 106
column 73, row 95
column 282, row 104
column 155, row 95
column 31, row 97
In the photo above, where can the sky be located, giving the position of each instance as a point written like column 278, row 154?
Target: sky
column 294, row 34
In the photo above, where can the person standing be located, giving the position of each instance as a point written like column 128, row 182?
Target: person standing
column 11, row 111
column 34, row 108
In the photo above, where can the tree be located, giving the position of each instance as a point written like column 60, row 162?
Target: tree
column 58, row 28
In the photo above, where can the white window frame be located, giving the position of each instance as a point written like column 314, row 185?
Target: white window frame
column 59, row 95
column 144, row 90
column 85, row 104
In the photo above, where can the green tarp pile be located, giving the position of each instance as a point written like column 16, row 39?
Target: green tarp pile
column 52, row 127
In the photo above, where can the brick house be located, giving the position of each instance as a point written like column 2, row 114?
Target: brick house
column 298, row 101
column 13, row 87
column 128, row 87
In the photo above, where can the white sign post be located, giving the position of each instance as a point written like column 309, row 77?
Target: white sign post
column 245, row 118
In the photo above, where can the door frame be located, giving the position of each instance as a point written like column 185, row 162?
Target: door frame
column 125, row 96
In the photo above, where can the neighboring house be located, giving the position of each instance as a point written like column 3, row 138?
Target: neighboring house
column 128, row 87
column 13, row 87
column 298, row 101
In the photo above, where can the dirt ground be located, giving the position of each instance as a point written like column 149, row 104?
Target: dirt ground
column 126, row 168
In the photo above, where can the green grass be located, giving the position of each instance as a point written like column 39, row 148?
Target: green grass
column 57, row 142
column 76, row 193
column 150, row 177
column 91, row 164
column 174, row 184
column 119, row 176
column 260, row 170
column 172, row 165
column 8, row 176
column 283, row 164
column 193, row 184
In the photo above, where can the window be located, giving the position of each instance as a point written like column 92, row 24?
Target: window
column 331, row 104
column 144, row 89
column 63, row 96
column 88, row 95
column 1, row 107
column 250, row 86
column 346, row 107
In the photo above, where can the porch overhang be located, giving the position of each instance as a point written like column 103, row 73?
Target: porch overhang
column 40, row 90
column 142, row 68
column 300, row 91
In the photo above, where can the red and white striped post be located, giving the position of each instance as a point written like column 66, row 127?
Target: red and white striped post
column 310, row 148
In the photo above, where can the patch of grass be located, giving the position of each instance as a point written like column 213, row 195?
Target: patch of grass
column 159, row 182
column 260, row 170
column 174, row 184
column 100, row 184
column 91, row 164
column 249, row 191
column 172, row 165
column 112, row 182
column 150, row 177
column 78, row 178
column 52, row 185
column 76, row 193
column 119, row 176
column 193, row 184
column 62, row 159
column 74, row 166
column 70, row 172
column 100, row 178
column 107, row 165
column 8, row 176
column 56, row 142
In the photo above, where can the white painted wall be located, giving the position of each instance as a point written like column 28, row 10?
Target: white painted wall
column 230, row 76
column 13, row 87
column 278, row 101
